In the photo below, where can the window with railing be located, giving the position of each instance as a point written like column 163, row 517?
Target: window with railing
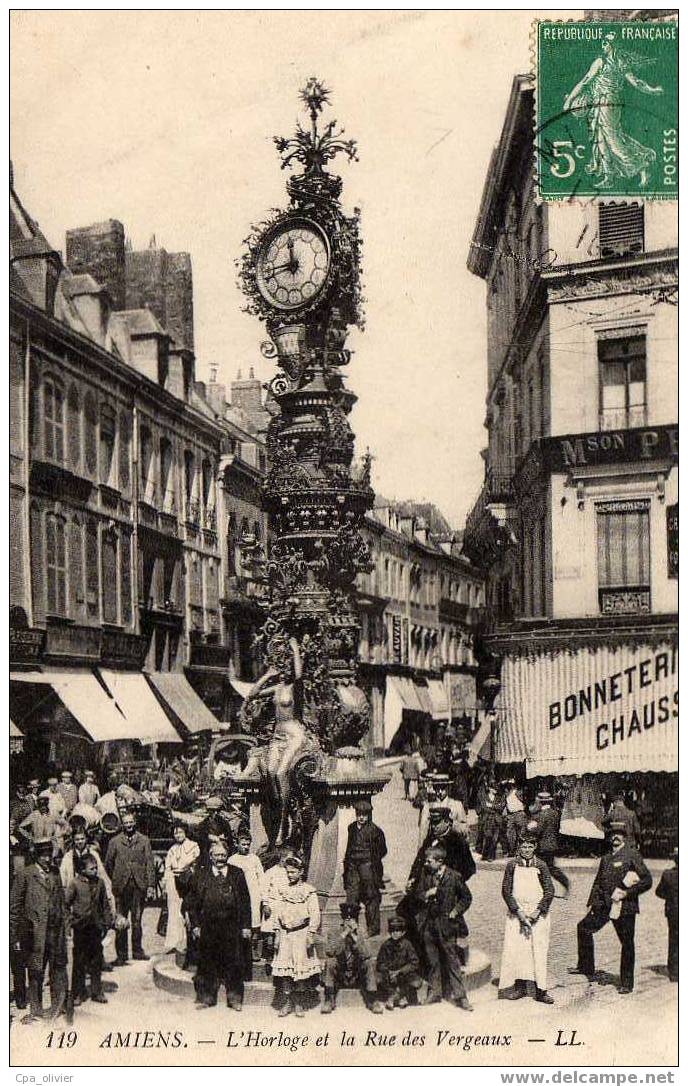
column 623, row 557
column 623, row 385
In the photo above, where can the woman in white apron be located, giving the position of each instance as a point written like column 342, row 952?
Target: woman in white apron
column 528, row 891
column 180, row 857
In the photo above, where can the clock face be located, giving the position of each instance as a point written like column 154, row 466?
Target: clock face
column 293, row 265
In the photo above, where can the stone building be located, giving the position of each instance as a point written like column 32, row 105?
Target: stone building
column 120, row 471
column 575, row 526
column 419, row 608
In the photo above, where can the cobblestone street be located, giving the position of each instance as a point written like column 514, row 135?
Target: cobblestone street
column 605, row 1024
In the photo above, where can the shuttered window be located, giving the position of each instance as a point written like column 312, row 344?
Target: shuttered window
column 77, row 588
column 107, row 445
column 74, row 428
column 37, row 569
column 623, row 556
column 92, row 572
column 55, row 565
column 90, row 441
column 108, row 545
column 53, row 421
column 621, row 229
column 125, row 562
column 124, row 452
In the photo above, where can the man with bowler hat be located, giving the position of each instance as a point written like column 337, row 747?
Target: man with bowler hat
column 38, row 928
column 363, row 877
column 621, row 877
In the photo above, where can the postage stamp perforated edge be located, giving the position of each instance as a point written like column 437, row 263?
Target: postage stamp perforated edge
column 540, row 197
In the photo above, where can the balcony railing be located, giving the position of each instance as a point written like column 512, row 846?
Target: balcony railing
column 623, row 418
column 634, row 600
column 193, row 512
column 498, row 486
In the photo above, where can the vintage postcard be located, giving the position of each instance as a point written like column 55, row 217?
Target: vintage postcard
column 343, row 539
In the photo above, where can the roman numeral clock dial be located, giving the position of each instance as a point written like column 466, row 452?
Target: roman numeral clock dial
column 293, row 265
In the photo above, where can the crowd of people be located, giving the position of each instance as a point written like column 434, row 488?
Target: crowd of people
column 82, row 867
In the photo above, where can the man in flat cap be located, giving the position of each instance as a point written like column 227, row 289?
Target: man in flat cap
column 38, row 928
column 621, row 877
column 668, row 892
column 349, row 963
column 440, row 798
column 363, row 877
column 455, row 845
column 398, row 967
column 547, row 821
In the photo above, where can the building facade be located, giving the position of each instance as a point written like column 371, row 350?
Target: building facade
column 576, row 525
column 123, row 479
column 419, row 608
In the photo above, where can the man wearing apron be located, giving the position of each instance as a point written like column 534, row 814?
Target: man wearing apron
column 528, row 892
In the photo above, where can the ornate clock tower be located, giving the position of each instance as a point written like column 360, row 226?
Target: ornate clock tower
column 301, row 275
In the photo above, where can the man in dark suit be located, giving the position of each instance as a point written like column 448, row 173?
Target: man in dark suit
column 668, row 891
column 455, row 846
column 443, row 898
column 621, row 877
column 363, row 878
column 547, row 822
column 38, row 929
column 129, row 863
column 619, row 811
column 219, row 909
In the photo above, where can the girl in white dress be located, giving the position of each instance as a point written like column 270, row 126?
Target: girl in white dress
column 180, row 856
column 297, row 919
column 528, row 891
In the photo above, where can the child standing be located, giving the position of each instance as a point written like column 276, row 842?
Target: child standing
column 297, row 919
column 91, row 917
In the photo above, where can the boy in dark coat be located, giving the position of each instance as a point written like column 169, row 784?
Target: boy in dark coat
column 38, row 929
column 668, row 891
column 349, row 963
column 363, row 878
column 621, row 877
column 219, row 908
column 397, row 967
column 443, row 898
column 91, row 917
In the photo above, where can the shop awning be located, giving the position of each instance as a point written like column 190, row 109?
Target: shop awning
column 85, row 698
column 14, row 731
column 179, row 696
column 438, row 699
column 479, row 741
column 610, row 709
column 423, row 695
column 139, row 704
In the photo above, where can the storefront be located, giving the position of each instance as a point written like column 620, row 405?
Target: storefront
column 592, row 720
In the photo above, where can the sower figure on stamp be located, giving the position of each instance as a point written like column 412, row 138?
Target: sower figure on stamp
column 668, row 891
column 219, row 907
column 443, row 898
column 363, row 876
column 621, row 877
column 38, row 919
column 349, row 963
column 129, row 863
column 398, row 967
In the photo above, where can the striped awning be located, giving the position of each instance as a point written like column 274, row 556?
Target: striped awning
column 593, row 710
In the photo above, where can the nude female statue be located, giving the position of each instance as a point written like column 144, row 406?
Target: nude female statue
column 289, row 741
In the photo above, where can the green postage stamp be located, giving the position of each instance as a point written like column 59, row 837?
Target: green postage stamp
column 607, row 109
